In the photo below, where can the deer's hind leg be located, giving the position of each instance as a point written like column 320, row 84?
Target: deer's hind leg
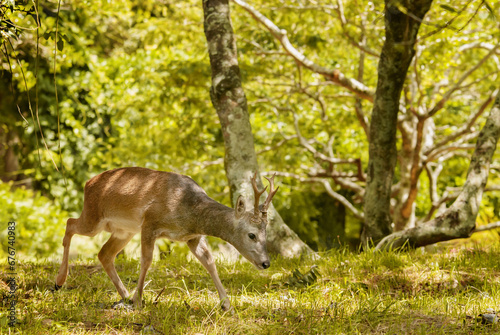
column 64, row 269
column 107, row 256
column 73, row 226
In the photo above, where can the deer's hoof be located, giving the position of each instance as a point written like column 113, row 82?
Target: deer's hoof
column 56, row 288
column 226, row 306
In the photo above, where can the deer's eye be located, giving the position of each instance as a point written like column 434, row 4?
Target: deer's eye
column 252, row 236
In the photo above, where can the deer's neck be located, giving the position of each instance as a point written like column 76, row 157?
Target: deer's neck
column 217, row 220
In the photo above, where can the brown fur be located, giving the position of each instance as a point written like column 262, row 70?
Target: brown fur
column 159, row 204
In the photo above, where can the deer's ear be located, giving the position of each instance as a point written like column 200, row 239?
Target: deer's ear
column 240, row 207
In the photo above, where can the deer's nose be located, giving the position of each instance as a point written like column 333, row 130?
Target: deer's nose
column 266, row 264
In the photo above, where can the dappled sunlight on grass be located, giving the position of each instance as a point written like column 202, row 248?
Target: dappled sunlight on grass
column 370, row 293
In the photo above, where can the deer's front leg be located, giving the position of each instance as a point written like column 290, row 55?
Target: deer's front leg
column 147, row 248
column 199, row 248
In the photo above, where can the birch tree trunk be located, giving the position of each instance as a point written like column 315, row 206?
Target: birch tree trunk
column 229, row 100
column 397, row 53
column 458, row 221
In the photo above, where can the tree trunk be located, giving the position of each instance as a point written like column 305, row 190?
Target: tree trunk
column 417, row 135
column 9, row 133
column 458, row 221
column 10, row 159
column 229, row 100
column 405, row 160
column 397, row 53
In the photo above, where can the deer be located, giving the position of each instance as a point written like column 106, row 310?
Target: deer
column 158, row 204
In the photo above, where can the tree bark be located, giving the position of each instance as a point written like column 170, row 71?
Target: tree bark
column 10, row 159
column 9, row 132
column 229, row 100
column 458, row 221
column 397, row 53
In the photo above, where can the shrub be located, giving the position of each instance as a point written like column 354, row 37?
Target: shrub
column 40, row 222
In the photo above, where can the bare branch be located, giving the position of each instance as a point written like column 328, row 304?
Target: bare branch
column 358, row 106
column 340, row 10
column 466, row 87
column 416, row 87
column 333, row 75
column 329, row 145
column 360, row 45
column 340, row 198
column 416, row 168
column 437, row 204
column 363, row 120
column 449, row 148
column 344, row 180
column 480, row 45
column 446, row 25
column 459, row 82
column 350, row 185
column 465, row 128
column 262, row 50
column 319, row 99
column 473, row 15
column 336, row 174
column 277, row 145
column 492, row 188
column 316, row 153
column 433, row 175
column 459, row 220
column 490, row 226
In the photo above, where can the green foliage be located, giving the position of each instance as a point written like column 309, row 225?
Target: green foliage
column 39, row 222
column 299, row 279
column 319, row 220
column 8, row 11
column 126, row 91
column 133, row 82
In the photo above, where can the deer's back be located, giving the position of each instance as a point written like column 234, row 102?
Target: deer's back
column 123, row 198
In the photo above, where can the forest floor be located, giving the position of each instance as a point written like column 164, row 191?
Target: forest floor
column 412, row 292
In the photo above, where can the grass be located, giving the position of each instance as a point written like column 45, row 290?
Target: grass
column 369, row 293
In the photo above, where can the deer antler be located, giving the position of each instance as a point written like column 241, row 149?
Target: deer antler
column 271, row 194
column 257, row 193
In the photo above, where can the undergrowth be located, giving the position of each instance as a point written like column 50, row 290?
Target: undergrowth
column 341, row 293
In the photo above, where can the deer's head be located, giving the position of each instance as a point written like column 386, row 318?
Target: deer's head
column 251, row 231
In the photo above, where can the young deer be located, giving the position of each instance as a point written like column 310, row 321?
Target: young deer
column 159, row 204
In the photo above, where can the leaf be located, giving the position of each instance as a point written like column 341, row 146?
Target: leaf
column 490, row 9
column 64, row 37
column 60, row 44
column 449, row 8
column 297, row 279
